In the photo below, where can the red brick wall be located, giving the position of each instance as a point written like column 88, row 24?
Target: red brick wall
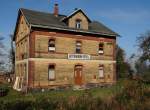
column 61, row 34
column 32, row 45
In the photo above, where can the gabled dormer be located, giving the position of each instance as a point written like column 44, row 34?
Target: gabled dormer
column 78, row 19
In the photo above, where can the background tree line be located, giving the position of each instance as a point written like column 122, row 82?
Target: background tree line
column 7, row 56
column 141, row 66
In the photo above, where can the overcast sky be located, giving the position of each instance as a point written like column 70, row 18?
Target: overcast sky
column 129, row 18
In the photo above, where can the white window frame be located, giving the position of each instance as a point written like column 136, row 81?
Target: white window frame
column 51, row 73
column 78, row 24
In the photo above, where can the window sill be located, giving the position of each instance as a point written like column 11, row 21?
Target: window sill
column 51, row 79
column 100, row 53
column 101, row 78
column 51, row 52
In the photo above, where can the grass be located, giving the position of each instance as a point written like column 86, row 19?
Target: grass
column 125, row 95
column 104, row 92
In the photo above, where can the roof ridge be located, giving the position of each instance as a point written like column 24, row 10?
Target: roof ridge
column 48, row 20
column 40, row 11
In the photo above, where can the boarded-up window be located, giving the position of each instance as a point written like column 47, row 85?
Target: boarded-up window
column 101, row 71
column 51, row 72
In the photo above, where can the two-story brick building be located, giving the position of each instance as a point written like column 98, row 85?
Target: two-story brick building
column 55, row 50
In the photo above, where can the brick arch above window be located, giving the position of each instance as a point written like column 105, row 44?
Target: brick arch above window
column 78, row 64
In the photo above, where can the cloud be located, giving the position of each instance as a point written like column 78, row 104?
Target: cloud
column 1, row 33
column 1, row 36
column 125, row 15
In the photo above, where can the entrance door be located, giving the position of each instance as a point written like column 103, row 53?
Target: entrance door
column 78, row 75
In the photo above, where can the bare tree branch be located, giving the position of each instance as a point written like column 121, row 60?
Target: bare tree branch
column 143, row 42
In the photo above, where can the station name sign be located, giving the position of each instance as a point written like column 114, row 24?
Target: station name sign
column 79, row 56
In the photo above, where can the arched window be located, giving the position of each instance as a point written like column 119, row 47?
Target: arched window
column 51, row 72
column 78, row 23
column 78, row 46
column 101, row 48
column 51, row 45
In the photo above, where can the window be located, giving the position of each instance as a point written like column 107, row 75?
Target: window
column 51, row 72
column 78, row 23
column 101, row 71
column 101, row 48
column 78, row 47
column 22, row 22
column 51, row 45
column 110, row 49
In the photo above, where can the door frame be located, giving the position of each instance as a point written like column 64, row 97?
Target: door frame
column 80, row 66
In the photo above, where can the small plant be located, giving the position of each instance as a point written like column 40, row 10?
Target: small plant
column 3, row 91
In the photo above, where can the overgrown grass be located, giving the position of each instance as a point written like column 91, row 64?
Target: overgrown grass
column 125, row 95
column 103, row 93
column 95, row 92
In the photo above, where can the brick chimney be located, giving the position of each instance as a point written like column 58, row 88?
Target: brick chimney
column 56, row 9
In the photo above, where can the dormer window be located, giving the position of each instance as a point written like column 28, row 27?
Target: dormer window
column 51, row 45
column 78, row 24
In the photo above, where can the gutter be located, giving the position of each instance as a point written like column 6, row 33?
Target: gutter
column 72, row 30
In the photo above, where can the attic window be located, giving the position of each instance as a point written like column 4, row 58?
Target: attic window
column 21, row 22
column 78, row 23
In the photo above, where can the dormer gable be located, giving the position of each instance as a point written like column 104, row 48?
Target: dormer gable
column 78, row 19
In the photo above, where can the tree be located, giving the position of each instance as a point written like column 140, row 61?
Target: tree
column 1, row 53
column 12, row 56
column 144, row 46
column 143, row 69
column 142, row 64
column 123, row 68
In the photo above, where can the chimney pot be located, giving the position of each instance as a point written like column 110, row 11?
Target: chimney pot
column 76, row 9
column 56, row 9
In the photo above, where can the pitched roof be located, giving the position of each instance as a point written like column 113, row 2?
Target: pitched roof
column 49, row 21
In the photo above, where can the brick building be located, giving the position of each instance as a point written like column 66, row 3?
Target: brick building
column 54, row 50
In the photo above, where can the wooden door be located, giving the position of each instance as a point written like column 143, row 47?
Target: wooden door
column 78, row 75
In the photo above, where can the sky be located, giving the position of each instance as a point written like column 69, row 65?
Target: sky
column 129, row 18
